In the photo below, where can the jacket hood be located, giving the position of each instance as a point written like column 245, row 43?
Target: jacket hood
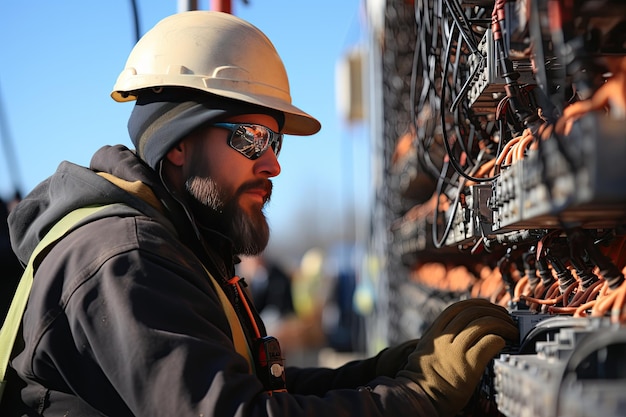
column 73, row 186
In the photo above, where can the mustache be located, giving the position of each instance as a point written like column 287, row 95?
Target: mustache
column 263, row 184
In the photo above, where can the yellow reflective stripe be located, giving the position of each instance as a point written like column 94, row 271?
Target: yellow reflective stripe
column 16, row 310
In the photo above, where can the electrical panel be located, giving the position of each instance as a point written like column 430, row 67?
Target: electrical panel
column 503, row 176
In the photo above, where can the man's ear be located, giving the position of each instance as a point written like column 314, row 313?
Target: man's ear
column 176, row 155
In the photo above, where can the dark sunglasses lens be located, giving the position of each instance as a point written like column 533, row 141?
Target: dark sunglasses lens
column 277, row 143
column 253, row 140
column 244, row 142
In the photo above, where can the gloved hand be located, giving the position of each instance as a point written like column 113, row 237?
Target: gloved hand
column 393, row 359
column 451, row 357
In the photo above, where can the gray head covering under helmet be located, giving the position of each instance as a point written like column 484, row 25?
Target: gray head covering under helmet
column 161, row 118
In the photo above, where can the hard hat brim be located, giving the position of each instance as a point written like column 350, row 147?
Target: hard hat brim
column 297, row 122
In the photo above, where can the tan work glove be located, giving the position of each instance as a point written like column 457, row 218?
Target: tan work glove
column 393, row 359
column 451, row 357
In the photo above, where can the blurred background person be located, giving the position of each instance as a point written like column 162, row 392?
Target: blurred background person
column 270, row 287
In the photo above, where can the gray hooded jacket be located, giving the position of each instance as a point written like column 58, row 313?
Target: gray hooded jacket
column 123, row 321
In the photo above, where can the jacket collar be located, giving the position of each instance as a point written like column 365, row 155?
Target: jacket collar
column 125, row 169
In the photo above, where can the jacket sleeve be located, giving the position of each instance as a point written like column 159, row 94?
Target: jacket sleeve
column 143, row 334
column 353, row 374
column 318, row 381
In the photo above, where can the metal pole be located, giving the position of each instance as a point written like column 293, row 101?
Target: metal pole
column 187, row 5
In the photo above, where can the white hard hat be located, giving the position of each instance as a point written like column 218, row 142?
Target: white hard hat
column 217, row 53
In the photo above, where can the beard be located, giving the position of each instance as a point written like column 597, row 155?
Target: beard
column 215, row 209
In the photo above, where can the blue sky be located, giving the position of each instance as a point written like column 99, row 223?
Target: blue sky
column 59, row 61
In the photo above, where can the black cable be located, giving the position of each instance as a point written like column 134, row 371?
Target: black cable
column 459, row 18
column 439, row 243
column 502, row 140
column 454, row 206
column 423, row 153
column 463, row 91
column 457, row 122
column 455, row 164
column 11, row 158
column 422, row 57
column 137, row 28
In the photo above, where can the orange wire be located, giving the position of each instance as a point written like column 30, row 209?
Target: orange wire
column 539, row 290
column 482, row 171
column 523, row 145
column 235, row 281
column 506, row 150
column 582, row 296
column 581, row 311
column 595, row 290
column 520, row 287
column 618, row 305
column 547, row 301
column 603, row 304
column 567, row 293
column 561, row 310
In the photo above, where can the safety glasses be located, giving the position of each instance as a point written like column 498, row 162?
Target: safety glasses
column 252, row 140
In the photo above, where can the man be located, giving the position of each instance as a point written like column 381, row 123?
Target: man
column 137, row 311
